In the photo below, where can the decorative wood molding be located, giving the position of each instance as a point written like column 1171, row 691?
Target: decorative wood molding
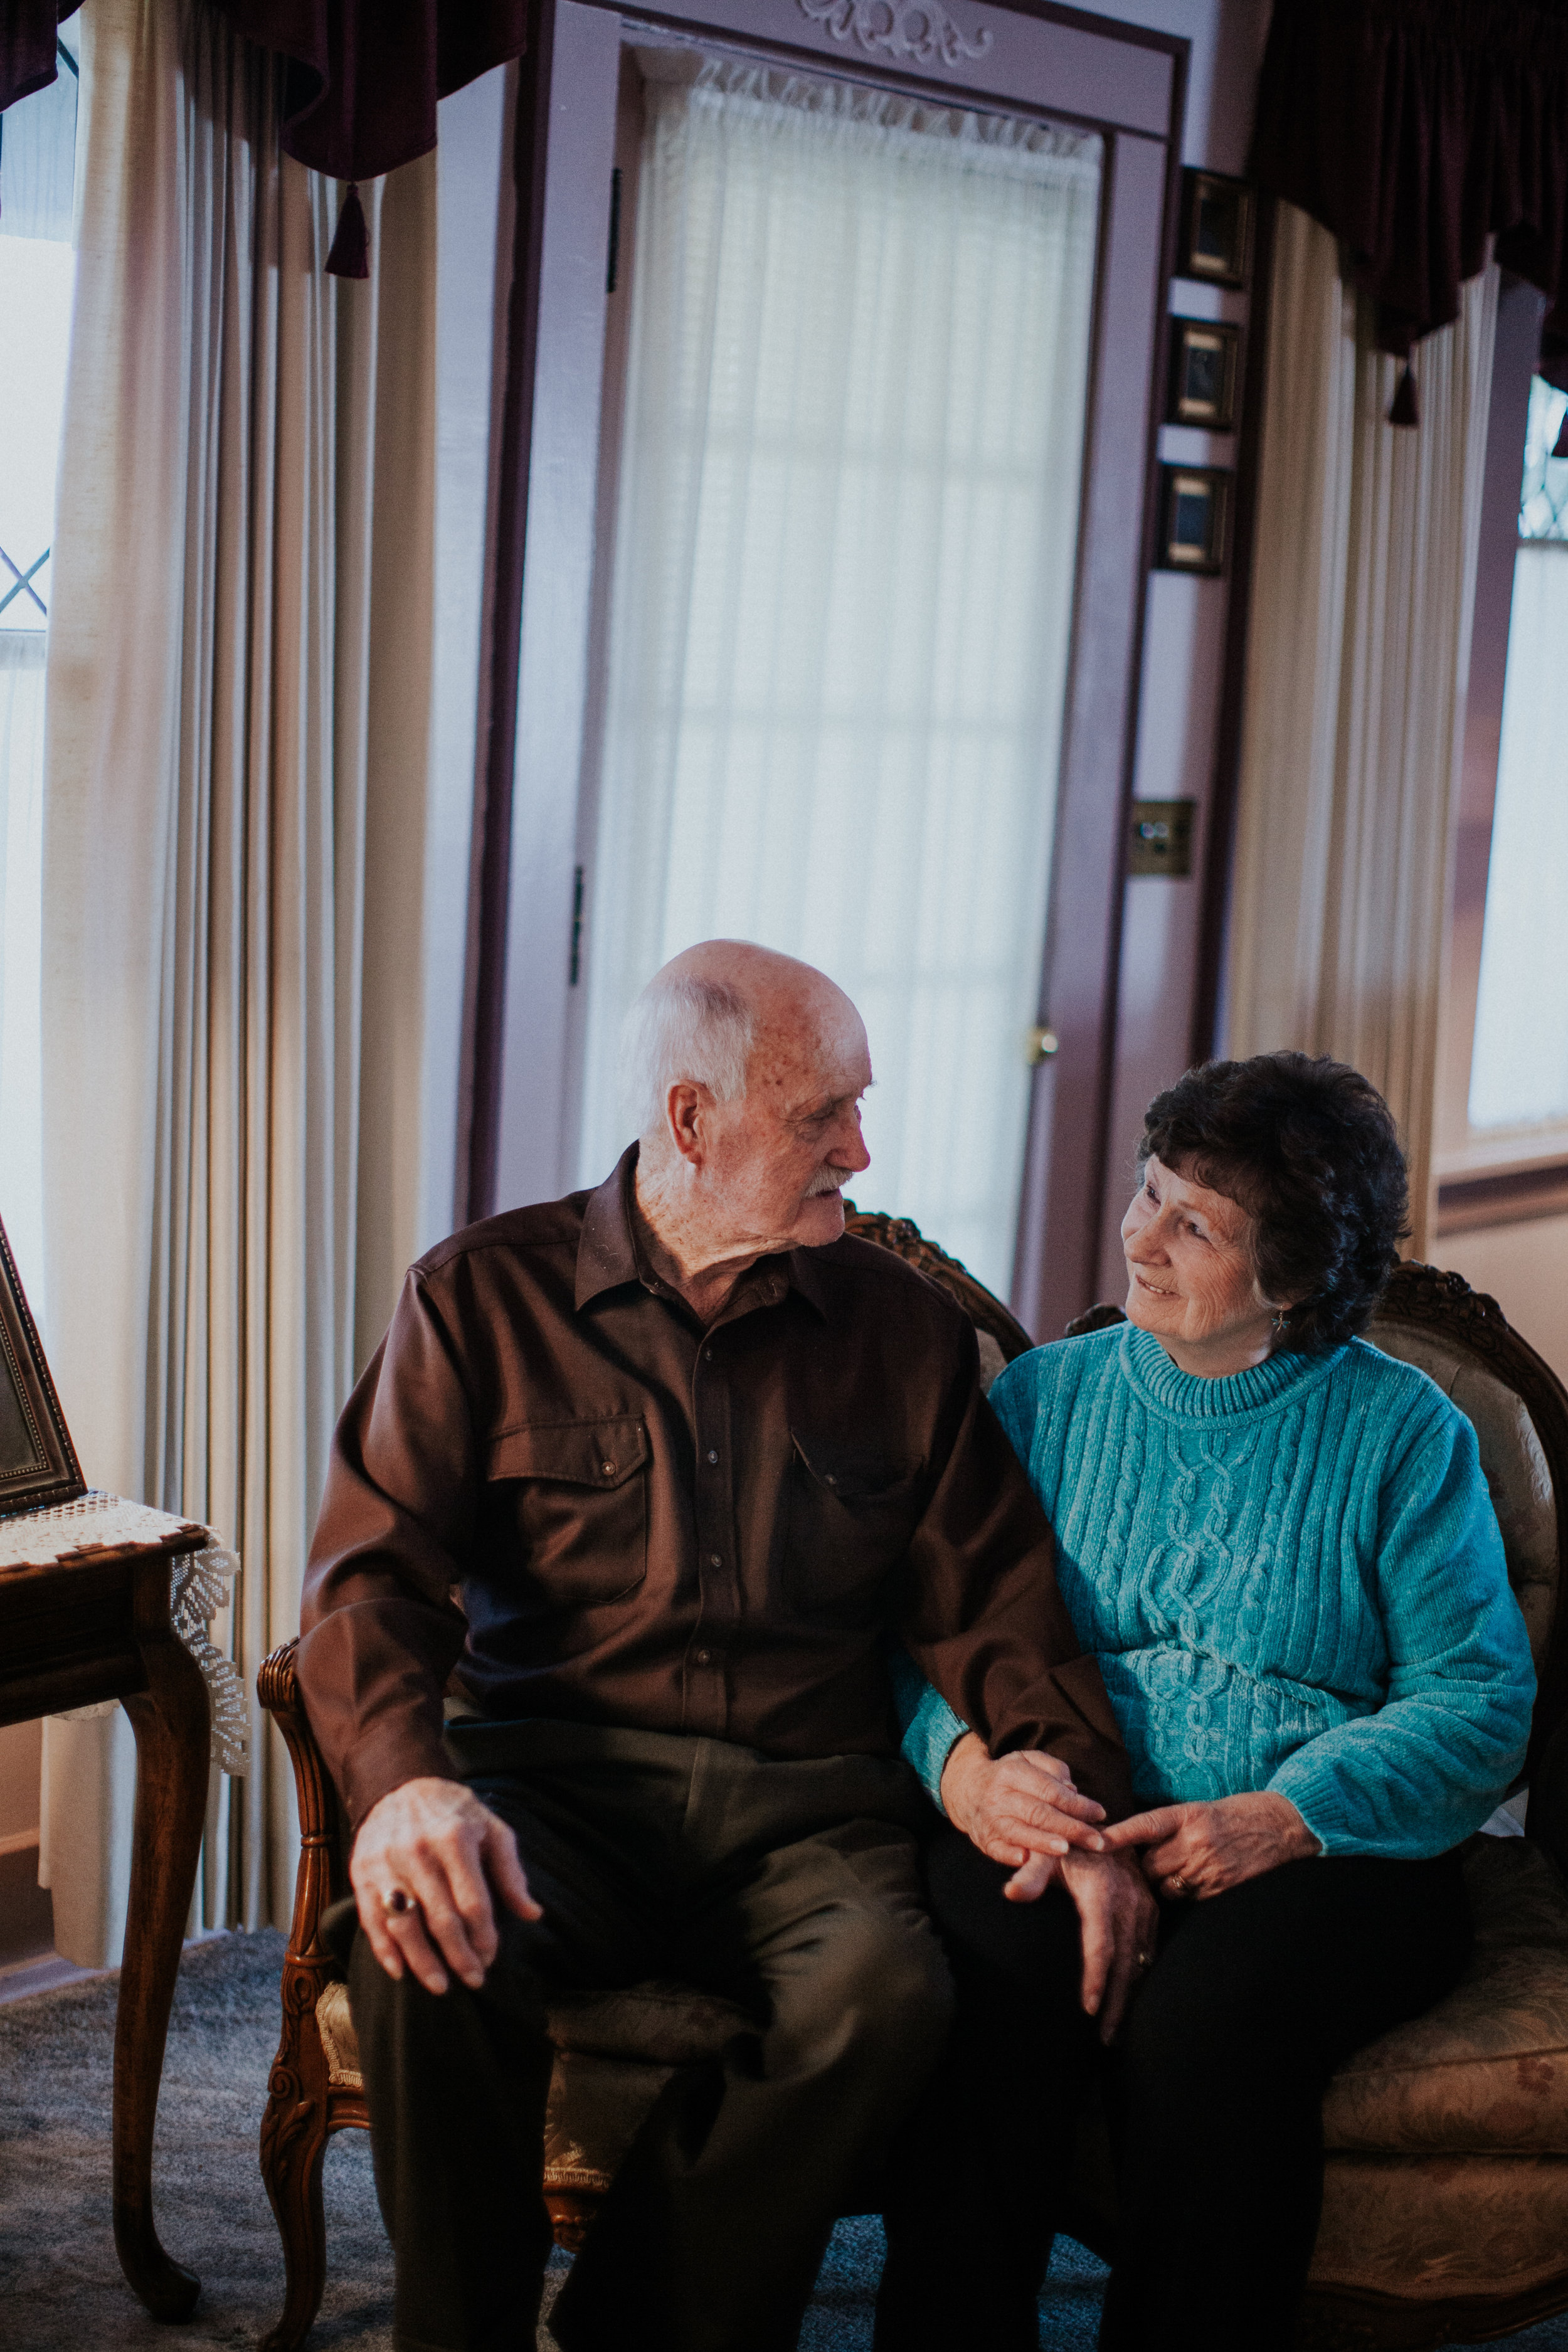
column 917, row 32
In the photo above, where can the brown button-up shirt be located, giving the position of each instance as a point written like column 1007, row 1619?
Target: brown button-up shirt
column 653, row 1524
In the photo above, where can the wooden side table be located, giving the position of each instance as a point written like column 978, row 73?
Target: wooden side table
column 91, row 1621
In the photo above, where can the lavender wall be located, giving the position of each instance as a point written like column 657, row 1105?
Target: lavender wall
column 1184, row 642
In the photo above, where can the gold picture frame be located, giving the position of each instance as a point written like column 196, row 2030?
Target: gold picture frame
column 37, row 1461
column 1195, row 518
column 1205, row 354
column 1216, row 228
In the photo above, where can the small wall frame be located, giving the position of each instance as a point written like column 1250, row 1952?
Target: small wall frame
column 1216, row 228
column 1195, row 518
column 1202, row 389
column 37, row 1461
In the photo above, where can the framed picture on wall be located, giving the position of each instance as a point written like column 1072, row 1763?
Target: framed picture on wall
column 1203, row 374
column 1216, row 228
column 1195, row 518
column 37, row 1460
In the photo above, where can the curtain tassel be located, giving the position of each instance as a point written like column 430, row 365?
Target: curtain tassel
column 1406, row 409
column 349, row 256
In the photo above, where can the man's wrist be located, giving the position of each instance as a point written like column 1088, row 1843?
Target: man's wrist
column 953, row 1788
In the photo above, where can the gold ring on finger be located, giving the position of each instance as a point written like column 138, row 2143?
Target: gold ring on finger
column 1177, row 1885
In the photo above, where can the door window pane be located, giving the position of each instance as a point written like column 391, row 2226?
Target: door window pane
column 1519, row 1073
column 842, row 594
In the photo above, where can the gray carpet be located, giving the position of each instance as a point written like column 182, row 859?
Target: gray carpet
column 60, row 2286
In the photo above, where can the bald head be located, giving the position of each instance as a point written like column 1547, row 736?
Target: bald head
column 743, row 1069
column 710, row 1009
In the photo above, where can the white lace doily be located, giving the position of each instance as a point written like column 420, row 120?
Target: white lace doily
column 199, row 1584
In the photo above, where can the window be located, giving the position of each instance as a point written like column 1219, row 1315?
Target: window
column 1518, row 1064
column 38, row 159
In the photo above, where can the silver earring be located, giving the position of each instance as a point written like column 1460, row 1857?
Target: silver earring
column 1281, row 1320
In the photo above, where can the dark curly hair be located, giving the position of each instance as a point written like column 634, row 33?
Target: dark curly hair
column 1308, row 1148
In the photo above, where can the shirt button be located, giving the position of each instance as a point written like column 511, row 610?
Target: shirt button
column 713, row 1456
column 704, row 1657
column 715, row 1559
column 608, row 1468
column 709, row 1354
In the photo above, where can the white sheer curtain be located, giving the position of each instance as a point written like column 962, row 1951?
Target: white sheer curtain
column 1358, row 649
column 842, row 594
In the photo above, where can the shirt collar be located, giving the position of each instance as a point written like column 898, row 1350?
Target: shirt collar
column 607, row 1254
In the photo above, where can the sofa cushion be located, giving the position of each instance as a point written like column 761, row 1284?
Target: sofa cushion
column 1440, row 2227
column 1485, row 2071
column 649, row 2029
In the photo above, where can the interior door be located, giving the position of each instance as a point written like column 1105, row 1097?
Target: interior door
column 529, row 1101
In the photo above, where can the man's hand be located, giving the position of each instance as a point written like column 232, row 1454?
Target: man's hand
column 1200, row 1850
column 1020, row 1807
column 433, row 1845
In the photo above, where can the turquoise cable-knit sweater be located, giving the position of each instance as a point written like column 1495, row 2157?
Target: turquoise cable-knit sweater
column 1291, row 1578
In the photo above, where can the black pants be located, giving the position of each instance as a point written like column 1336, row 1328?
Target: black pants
column 1215, row 2094
column 793, row 1887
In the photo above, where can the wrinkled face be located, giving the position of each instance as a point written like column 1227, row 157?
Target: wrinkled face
column 1189, row 1277
column 775, row 1161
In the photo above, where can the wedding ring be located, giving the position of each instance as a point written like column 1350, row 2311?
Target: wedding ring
column 1177, row 1885
column 397, row 1899
column 1143, row 1959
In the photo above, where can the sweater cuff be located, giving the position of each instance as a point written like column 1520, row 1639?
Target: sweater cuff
column 935, row 1732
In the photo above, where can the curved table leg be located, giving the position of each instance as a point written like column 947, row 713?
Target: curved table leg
column 173, row 1728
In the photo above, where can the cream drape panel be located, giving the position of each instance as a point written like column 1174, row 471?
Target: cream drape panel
column 842, row 596
column 1358, row 650
column 239, row 725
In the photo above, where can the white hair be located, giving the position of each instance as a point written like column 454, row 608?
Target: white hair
column 682, row 1029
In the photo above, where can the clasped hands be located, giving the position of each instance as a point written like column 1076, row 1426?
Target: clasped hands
column 1023, row 1810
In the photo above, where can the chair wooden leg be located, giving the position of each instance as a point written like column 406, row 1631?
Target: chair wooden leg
column 294, row 2135
column 298, row 2122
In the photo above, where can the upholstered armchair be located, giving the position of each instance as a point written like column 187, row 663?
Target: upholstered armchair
column 1446, row 2206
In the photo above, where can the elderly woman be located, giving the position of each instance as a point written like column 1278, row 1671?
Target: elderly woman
column 1276, row 1543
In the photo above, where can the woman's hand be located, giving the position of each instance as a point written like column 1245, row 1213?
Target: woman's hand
column 1200, row 1850
column 1020, row 1806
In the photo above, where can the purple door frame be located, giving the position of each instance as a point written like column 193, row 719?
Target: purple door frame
column 1021, row 55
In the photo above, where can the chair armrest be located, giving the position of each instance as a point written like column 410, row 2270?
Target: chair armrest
column 322, row 1872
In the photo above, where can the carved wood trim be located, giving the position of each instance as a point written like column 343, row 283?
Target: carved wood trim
column 907, row 1240
column 916, row 32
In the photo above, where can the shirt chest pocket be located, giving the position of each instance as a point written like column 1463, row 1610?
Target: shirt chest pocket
column 851, row 1519
column 573, row 1496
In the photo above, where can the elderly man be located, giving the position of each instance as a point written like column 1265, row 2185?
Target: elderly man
column 646, row 1477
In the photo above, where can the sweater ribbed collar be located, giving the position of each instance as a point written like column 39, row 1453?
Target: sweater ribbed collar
column 1187, row 1396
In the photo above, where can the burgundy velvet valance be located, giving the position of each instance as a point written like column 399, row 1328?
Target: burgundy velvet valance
column 363, row 75
column 1412, row 129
